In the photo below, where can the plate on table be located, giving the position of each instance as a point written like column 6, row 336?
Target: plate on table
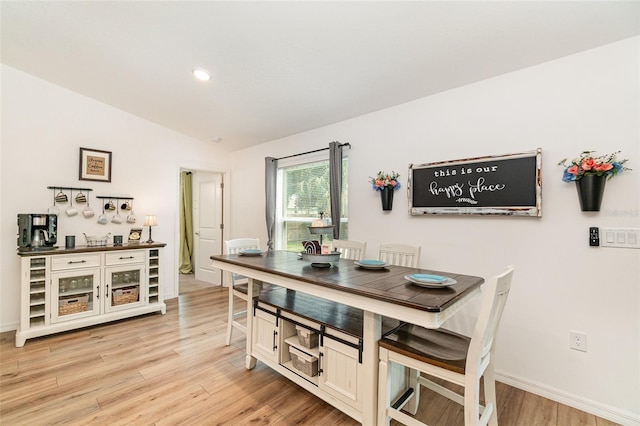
column 250, row 252
column 430, row 281
column 371, row 264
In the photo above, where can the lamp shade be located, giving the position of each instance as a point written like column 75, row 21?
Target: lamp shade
column 150, row 220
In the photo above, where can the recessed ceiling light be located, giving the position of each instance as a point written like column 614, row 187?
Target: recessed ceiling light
column 216, row 139
column 201, row 74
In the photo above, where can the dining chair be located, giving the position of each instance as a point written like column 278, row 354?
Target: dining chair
column 238, row 285
column 354, row 250
column 447, row 356
column 399, row 254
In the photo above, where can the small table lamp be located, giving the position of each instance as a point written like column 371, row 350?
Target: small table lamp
column 150, row 220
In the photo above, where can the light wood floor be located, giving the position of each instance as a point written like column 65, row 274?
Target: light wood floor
column 175, row 370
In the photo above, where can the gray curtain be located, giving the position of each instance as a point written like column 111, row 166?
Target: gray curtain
column 270, row 177
column 335, row 186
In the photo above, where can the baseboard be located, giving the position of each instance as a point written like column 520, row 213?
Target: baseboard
column 613, row 414
column 9, row 327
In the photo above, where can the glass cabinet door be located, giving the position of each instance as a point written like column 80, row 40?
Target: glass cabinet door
column 125, row 287
column 76, row 294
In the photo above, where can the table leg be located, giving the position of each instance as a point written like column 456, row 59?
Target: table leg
column 371, row 334
column 250, row 361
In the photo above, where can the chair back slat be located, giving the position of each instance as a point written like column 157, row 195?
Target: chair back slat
column 235, row 245
column 354, row 250
column 399, row 254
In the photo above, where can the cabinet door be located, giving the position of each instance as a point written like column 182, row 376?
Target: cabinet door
column 125, row 287
column 265, row 335
column 75, row 294
column 341, row 372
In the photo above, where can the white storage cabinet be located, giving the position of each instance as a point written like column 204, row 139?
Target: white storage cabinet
column 67, row 289
column 338, row 378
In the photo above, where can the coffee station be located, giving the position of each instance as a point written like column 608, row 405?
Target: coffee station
column 64, row 287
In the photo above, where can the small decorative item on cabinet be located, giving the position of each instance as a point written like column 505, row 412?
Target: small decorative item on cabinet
column 93, row 241
column 386, row 183
column 590, row 175
column 150, row 220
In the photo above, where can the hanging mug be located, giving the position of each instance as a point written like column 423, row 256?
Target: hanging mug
column 131, row 218
column 71, row 211
column 88, row 211
column 81, row 198
column 126, row 205
column 61, row 197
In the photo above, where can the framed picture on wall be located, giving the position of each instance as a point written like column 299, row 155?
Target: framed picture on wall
column 95, row 165
column 508, row 185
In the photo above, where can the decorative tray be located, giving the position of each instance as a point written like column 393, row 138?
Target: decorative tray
column 321, row 260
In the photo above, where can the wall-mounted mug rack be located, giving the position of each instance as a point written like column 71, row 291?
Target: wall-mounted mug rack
column 69, row 188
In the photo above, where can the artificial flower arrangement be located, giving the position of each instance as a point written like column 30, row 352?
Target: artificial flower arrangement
column 385, row 180
column 587, row 164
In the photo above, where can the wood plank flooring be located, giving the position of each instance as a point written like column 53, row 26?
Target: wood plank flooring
column 176, row 370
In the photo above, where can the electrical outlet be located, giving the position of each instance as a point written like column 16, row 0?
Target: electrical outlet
column 578, row 341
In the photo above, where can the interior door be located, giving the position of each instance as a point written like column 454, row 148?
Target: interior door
column 207, row 224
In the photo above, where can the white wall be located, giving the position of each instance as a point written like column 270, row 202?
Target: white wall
column 585, row 101
column 43, row 127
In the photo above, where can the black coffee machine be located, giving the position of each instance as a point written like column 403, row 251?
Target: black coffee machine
column 37, row 230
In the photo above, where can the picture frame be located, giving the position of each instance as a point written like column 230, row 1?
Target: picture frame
column 95, row 165
column 507, row 185
column 135, row 235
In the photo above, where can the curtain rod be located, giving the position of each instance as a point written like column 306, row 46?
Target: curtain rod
column 311, row 152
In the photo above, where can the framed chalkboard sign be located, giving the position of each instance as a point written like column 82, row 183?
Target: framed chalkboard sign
column 493, row 185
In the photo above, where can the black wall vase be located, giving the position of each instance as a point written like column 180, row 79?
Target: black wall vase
column 386, row 196
column 590, row 191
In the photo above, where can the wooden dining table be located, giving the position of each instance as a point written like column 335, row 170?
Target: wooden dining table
column 377, row 292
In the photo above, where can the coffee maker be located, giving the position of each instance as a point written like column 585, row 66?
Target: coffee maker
column 37, row 231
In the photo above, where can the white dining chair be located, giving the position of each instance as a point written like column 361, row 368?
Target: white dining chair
column 238, row 285
column 399, row 254
column 354, row 250
column 447, row 356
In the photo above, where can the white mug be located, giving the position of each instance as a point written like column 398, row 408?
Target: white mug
column 131, row 218
column 88, row 212
column 103, row 219
column 116, row 219
column 71, row 211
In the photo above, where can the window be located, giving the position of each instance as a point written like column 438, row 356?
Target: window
column 303, row 192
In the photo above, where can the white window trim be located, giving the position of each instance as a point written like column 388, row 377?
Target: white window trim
column 279, row 244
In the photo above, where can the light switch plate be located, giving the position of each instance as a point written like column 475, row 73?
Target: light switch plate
column 620, row 237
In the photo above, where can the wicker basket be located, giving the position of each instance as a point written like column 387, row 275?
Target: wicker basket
column 73, row 305
column 125, row 295
column 307, row 338
column 305, row 363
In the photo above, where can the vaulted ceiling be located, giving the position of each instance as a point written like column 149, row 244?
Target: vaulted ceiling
column 280, row 68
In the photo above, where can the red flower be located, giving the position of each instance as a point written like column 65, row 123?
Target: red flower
column 588, row 163
column 603, row 167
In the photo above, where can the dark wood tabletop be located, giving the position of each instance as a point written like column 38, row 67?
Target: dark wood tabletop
column 47, row 251
column 386, row 284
